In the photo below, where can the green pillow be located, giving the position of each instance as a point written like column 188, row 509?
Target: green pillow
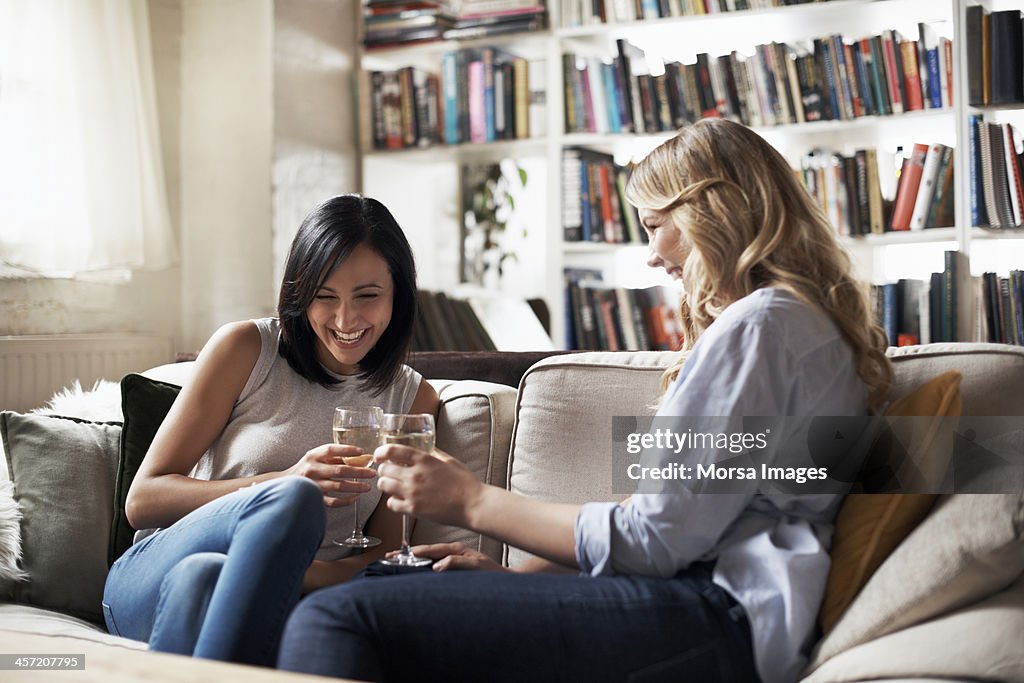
column 145, row 403
column 63, row 474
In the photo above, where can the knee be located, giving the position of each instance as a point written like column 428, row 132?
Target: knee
column 194, row 574
column 299, row 502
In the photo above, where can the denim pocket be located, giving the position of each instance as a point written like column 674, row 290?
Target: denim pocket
column 108, row 616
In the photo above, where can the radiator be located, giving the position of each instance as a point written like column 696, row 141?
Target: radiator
column 33, row 368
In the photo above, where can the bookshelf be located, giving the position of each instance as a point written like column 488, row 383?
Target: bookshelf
column 420, row 184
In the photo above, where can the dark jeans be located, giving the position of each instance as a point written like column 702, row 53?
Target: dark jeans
column 493, row 626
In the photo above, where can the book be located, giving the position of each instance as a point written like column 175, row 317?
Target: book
column 910, row 181
column 1006, row 75
column 973, row 37
column 979, row 215
column 926, row 188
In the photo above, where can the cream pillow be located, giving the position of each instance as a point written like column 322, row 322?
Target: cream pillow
column 968, row 548
column 980, row 642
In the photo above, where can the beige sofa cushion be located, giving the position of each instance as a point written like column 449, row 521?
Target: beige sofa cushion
column 968, row 548
column 991, row 374
column 474, row 424
column 561, row 447
column 984, row 641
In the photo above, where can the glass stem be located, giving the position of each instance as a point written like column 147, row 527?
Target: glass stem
column 356, row 531
column 404, row 550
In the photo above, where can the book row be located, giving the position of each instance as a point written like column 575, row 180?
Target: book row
column 920, row 311
column 996, row 174
column 389, row 24
column 481, row 95
column 604, row 318
column 925, row 311
column 830, row 78
column 445, row 323
column 862, row 193
column 995, row 56
column 586, row 12
column 594, row 206
column 1003, row 308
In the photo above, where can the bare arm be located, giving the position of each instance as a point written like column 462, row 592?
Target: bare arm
column 163, row 492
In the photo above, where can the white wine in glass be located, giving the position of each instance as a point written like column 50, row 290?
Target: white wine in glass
column 416, row 431
column 359, row 427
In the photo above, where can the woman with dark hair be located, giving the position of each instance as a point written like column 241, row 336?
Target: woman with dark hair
column 241, row 484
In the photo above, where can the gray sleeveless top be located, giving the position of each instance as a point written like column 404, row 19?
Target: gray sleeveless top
column 280, row 415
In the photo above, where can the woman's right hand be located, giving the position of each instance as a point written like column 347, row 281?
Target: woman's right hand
column 448, row 556
column 341, row 484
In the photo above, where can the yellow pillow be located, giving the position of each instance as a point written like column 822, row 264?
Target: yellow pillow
column 870, row 526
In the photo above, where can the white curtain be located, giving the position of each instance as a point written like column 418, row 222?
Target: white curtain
column 81, row 175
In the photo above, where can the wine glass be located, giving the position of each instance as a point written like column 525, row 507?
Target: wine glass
column 408, row 430
column 358, row 427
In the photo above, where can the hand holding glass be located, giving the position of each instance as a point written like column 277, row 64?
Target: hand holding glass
column 358, row 427
column 416, row 431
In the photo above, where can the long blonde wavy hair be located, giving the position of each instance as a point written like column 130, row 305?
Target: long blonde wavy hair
column 753, row 225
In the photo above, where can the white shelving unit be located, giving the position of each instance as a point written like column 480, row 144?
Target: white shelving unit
column 421, row 185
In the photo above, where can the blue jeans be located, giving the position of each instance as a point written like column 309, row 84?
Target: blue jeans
column 221, row 581
column 475, row 626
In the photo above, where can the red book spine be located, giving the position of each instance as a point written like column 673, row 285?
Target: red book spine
column 911, row 76
column 910, row 181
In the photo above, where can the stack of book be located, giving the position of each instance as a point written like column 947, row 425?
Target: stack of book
column 852, row 189
column 1003, row 308
column 476, row 321
column 603, row 318
column 848, row 189
column 481, row 18
column 995, row 65
column 594, row 206
column 446, row 323
column 404, row 108
column 482, row 95
column 395, row 22
column 829, row 79
column 924, row 196
column 585, row 12
column 923, row 312
column 997, row 174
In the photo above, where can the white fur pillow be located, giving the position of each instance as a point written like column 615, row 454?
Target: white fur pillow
column 102, row 403
column 10, row 540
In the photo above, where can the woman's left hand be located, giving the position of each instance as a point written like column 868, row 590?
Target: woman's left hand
column 433, row 486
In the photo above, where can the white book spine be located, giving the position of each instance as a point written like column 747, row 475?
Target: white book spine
column 926, row 190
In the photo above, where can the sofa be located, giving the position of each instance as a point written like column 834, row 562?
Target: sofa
column 943, row 599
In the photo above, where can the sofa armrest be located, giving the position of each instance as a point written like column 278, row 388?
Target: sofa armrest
column 474, row 424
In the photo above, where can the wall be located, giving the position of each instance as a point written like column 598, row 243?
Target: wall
column 314, row 154
column 226, row 142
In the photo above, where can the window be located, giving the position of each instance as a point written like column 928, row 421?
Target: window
column 81, row 177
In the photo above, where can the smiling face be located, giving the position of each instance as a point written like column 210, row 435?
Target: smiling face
column 351, row 310
column 669, row 245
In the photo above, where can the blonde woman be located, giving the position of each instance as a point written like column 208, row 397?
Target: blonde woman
column 672, row 587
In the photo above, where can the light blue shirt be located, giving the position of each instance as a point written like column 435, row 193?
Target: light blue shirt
column 768, row 354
